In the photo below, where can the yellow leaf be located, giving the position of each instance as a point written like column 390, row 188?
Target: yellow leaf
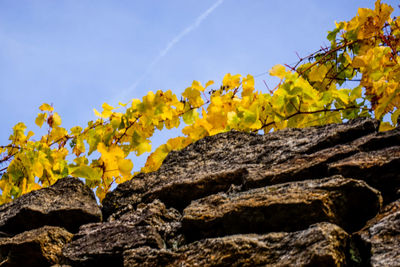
column 105, row 114
column 40, row 119
column 135, row 103
column 343, row 94
column 178, row 143
column 57, row 133
column 125, row 166
column 97, row 113
column 30, row 134
column 278, row 71
column 359, row 62
column 143, row 147
column 46, row 107
column 248, row 85
column 100, row 193
column 385, row 126
column 34, row 186
column 155, row 159
column 197, row 85
column 193, row 96
column 107, row 107
column 317, row 74
column 149, row 98
column 230, row 81
column 79, row 147
column 23, row 186
column 209, row 83
column 56, row 120
column 76, row 130
column 37, row 169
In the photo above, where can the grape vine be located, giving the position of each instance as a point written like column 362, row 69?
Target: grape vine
column 363, row 51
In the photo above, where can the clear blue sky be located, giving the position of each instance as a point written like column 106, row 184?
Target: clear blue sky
column 79, row 54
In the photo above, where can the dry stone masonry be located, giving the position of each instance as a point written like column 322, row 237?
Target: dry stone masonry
column 320, row 196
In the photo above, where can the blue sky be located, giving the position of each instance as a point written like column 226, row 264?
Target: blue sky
column 79, row 54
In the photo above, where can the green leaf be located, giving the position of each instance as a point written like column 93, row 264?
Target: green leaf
column 86, row 172
column 190, row 116
column 93, row 140
column 332, row 34
column 395, row 117
column 317, row 74
column 356, row 93
column 115, row 123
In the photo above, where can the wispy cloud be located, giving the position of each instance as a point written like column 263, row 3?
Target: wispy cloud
column 168, row 47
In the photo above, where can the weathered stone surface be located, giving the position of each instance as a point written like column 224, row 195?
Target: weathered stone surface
column 38, row 247
column 378, row 168
column 284, row 207
column 68, row 203
column 335, row 160
column 379, row 240
column 102, row 244
column 215, row 163
column 165, row 221
column 322, row 244
column 176, row 193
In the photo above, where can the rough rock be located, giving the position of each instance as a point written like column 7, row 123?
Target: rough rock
column 322, row 244
column 68, row 203
column 102, row 244
column 372, row 158
column 167, row 222
column 215, row 163
column 379, row 240
column 38, row 247
column 292, row 206
column 378, row 168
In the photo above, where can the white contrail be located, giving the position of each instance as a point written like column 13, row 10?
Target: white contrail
column 169, row 46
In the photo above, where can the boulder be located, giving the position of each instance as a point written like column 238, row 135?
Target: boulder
column 322, row 244
column 38, row 247
column 291, row 206
column 68, row 203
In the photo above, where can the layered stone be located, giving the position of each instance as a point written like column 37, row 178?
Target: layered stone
column 283, row 207
column 322, row 244
column 68, row 203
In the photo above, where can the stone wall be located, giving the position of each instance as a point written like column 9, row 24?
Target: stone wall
column 321, row 196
